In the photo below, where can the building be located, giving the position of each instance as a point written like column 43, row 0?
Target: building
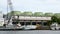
column 1, row 19
column 30, row 20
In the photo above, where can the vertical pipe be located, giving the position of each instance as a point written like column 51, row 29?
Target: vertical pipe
column 7, row 9
column 36, row 22
column 42, row 23
column 31, row 22
column 24, row 22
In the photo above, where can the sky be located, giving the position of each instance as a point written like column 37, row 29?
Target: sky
column 32, row 5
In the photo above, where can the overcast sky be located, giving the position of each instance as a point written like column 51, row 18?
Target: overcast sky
column 32, row 5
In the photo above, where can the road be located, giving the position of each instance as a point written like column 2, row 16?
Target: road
column 31, row 32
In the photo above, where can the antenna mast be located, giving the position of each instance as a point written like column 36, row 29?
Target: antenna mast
column 9, row 4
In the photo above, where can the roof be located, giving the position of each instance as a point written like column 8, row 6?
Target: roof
column 33, row 18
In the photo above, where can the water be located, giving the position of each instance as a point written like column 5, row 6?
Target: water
column 31, row 32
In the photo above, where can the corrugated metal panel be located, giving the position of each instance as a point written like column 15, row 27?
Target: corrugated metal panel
column 34, row 18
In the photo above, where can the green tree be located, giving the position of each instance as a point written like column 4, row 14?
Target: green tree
column 14, row 13
column 49, row 23
column 48, row 14
column 27, row 13
column 57, row 14
column 38, row 14
column 54, row 19
column 58, row 20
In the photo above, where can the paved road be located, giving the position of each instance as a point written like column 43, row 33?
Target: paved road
column 31, row 32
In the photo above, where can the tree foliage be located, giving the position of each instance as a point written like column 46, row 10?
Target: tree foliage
column 57, row 14
column 54, row 19
column 27, row 13
column 48, row 14
column 14, row 13
column 38, row 14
